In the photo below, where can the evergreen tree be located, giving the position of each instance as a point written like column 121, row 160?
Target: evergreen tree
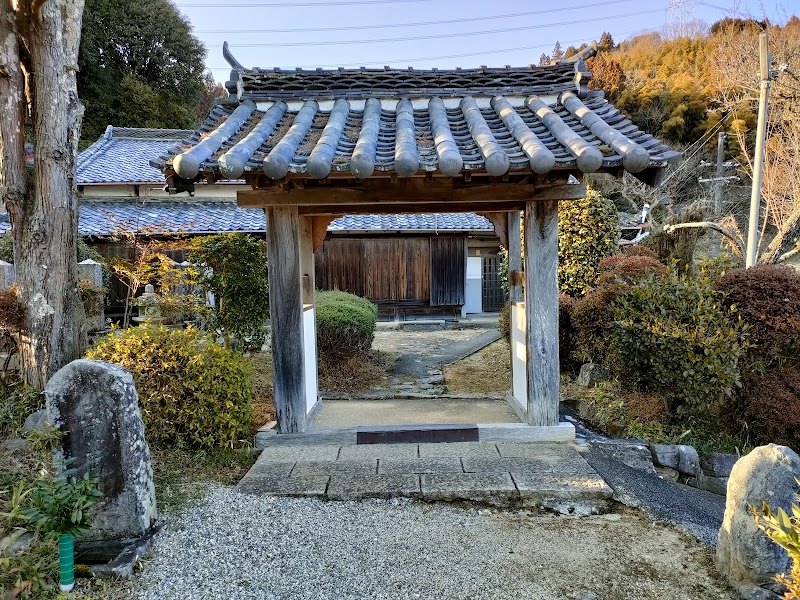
column 140, row 66
column 544, row 60
column 558, row 54
column 606, row 42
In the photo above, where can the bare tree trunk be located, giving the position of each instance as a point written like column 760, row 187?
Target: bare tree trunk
column 42, row 203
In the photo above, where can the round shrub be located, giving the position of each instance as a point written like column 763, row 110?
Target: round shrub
column 629, row 268
column 768, row 299
column 345, row 325
column 675, row 337
column 772, row 407
column 587, row 233
column 192, row 391
column 590, row 322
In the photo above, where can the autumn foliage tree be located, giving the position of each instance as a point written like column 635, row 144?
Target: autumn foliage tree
column 40, row 106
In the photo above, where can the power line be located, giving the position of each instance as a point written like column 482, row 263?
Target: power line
column 700, row 143
column 437, row 36
column 444, row 57
column 418, row 24
column 302, row 4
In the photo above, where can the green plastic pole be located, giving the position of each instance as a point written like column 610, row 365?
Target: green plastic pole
column 66, row 562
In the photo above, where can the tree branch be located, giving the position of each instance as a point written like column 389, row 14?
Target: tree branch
column 708, row 225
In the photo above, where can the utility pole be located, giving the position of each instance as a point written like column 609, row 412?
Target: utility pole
column 721, row 137
column 765, row 60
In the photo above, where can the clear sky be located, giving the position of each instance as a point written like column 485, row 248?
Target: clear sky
column 430, row 33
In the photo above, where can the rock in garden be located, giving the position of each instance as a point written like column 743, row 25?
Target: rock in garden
column 591, row 374
column 745, row 555
column 35, row 422
column 718, row 464
column 16, row 445
column 96, row 405
column 683, row 459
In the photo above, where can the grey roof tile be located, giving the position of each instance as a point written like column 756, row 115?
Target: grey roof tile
column 106, row 218
column 123, row 154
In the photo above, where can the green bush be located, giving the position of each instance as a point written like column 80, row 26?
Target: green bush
column 590, row 323
column 345, row 325
column 675, row 337
column 784, row 529
column 768, row 299
column 587, row 233
column 17, row 401
column 192, row 391
column 238, row 279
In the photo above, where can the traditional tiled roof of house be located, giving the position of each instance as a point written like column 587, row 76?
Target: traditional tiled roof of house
column 195, row 217
column 368, row 123
column 123, row 155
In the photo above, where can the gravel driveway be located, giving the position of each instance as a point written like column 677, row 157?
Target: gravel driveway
column 236, row 546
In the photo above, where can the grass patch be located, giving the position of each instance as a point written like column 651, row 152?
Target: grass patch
column 488, row 371
column 366, row 371
column 181, row 477
column 263, row 406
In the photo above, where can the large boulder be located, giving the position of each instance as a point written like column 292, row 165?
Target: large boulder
column 96, row 405
column 745, row 555
column 682, row 458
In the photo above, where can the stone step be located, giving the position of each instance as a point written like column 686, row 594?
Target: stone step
column 541, row 476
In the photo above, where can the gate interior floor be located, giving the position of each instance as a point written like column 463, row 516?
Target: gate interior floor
column 345, row 414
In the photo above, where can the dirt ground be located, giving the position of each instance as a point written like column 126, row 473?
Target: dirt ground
column 488, row 371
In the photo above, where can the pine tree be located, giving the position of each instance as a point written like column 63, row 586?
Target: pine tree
column 558, row 54
column 606, row 42
column 544, row 60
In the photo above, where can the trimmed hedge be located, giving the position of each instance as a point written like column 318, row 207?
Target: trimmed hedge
column 345, row 325
column 192, row 391
column 675, row 337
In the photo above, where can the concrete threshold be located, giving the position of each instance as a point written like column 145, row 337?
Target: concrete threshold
column 486, row 432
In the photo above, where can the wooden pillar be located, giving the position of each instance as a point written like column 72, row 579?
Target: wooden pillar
column 541, row 306
column 514, row 249
column 286, row 317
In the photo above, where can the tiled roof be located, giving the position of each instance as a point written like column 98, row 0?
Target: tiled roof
column 106, row 218
column 123, row 155
column 367, row 123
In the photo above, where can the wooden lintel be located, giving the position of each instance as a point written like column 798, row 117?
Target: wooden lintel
column 500, row 222
column 319, row 229
column 403, row 208
column 407, row 191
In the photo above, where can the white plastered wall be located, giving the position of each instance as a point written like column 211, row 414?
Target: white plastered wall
column 310, row 356
column 473, row 300
column 519, row 353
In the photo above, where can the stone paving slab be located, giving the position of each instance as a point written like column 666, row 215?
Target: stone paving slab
column 544, row 475
column 441, row 464
column 537, row 450
column 296, row 453
column 378, row 451
column 460, row 449
column 527, row 465
column 314, row 485
column 492, row 488
column 335, row 467
column 353, row 487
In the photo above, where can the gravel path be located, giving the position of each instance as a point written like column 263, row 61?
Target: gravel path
column 237, row 546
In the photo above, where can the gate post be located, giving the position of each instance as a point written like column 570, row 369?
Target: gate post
column 286, row 317
column 541, row 306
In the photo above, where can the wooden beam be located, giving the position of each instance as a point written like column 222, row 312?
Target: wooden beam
column 500, row 222
column 286, row 317
column 400, row 208
column 406, row 191
column 541, row 306
column 514, row 249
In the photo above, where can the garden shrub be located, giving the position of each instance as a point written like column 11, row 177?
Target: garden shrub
column 505, row 322
column 772, row 407
column 566, row 334
column 239, row 280
column 590, row 322
column 192, row 391
column 784, row 529
column 345, row 325
column 768, row 298
column 628, row 269
column 587, row 233
column 676, row 337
